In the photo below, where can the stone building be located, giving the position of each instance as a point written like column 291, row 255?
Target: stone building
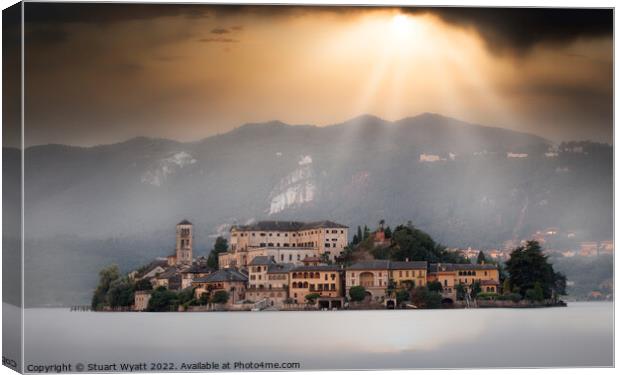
column 450, row 275
column 375, row 276
column 284, row 242
column 141, row 300
column 268, row 280
column 324, row 280
column 229, row 280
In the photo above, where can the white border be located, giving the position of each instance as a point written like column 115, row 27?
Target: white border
column 523, row 3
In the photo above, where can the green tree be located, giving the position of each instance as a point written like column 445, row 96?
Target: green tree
column 366, row 232
column 360, row 235
column 220, row 246
column 506, row 286
column 422, row 297
column 402, row 296
column 355, row 240
column 106, row 276
column 312, row 297
column 120, row 293
column 481, row 258
column 475, row 289
column 221, row 296
column 387, row 232
column 536, row 293
column 527, row 266
column 434, row 286
column 204, row 299
column 460, row 292
column 357, row 293
column 416, row 245
column 162, row 299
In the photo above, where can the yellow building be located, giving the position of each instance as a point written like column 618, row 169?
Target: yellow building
column 229, row 280
column 406, row 274
column 268, row 281
column 450, row 275
column 324, row 280
column 284, row 242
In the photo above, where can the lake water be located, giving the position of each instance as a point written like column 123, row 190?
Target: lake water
column 579, row 335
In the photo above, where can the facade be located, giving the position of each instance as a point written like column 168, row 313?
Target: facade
column 324, row 280
column 184, row 243
column 141, row 300
column 450, row 275
column 268, row 281
column 193, row 272
column 229, row 280
column 407, row 273
column 375, row 276
column 284, row 242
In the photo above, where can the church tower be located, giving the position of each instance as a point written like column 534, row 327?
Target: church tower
column 185, row 237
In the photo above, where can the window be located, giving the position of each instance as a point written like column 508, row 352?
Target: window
column 282, row 257
column 262, row 234
column 253, row 234
column 327, row 245
column 278, row 234
column 290, row 257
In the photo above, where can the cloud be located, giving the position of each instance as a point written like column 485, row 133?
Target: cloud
column 520, row 29
column 218, row 40
column 220, row 30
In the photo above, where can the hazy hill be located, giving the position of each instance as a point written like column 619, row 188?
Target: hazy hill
column 119, row 203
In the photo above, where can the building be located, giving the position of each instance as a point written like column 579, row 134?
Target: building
column 284, row 242
column 324, row 280
column 141, row 299
column 372, row 275
column 606, row 248
column 407, row 274
column 229, row 280
column 193, row 272
column 169, row 279
column 450, row 275
column 268, row 281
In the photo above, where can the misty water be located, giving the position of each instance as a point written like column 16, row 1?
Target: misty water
column 578, row 335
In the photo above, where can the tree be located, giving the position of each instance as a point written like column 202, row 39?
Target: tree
column 355, row 240
column 481, row 258
column 143, row 284
column 434, row 286
column 366, row 232
column 460, row 292
column 416, row 245
column 536, row 293
column 402, row 296
column 559, row 284
column 387, row 232
column 312, row 297
column 162, row 299
column 360, row 236
column 527, row 266
column 475, row 289
column 221, row 296
column 220, row 246
column 506, row 286
column 357, row 293
column 120, row 293
column 424, row 298
column 106, row 276
column 325, row 258
column 381, row 223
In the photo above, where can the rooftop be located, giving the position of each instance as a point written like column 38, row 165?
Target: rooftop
column 388, row 264
column 287, row 226
column 226, row 274
column 280, row 268
column 261, row 260
column 317, row 268
column 184, row 222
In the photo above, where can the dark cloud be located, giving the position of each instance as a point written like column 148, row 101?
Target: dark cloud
column 218, row 40
column 516, row 29
column 220, row 30
column 519, row 29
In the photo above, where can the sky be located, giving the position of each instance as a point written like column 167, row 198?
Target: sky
column 104, row 73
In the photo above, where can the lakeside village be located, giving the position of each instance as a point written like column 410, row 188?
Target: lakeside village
column 284, row 265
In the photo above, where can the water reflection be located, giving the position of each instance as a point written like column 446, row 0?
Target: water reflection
column 580, row 335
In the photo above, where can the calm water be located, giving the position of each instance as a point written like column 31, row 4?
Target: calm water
column 579, row 335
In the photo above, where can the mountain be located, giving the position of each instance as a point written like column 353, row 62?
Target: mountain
column 466, row 184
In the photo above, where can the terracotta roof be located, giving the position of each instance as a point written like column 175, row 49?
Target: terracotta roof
column 287, row 226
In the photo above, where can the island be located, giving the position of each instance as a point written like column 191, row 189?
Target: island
column 294, row 265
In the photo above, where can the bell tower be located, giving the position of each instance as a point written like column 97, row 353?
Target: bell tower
column 185, row 237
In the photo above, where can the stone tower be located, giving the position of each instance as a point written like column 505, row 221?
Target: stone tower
column 185, row 237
